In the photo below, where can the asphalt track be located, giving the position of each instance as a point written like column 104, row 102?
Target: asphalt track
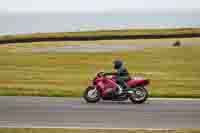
column 93, row 48
column 74, row 112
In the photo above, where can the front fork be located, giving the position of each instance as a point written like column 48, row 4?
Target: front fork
column 93, row 91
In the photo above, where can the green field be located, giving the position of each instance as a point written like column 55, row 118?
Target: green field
column 29, row 130
column 130, row 32
column 174, row 72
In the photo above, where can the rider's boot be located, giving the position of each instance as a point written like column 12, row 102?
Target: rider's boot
column 121, row 89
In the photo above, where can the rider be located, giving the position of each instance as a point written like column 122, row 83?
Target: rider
column 121, row 73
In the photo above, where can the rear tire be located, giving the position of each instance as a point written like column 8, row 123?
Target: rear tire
column 139, row 98
column 89, row 99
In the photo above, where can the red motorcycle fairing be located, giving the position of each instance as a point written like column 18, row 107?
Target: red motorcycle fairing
column 105, row 84
column 138, row 82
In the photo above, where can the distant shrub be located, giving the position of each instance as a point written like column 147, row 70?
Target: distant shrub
column 177, row 44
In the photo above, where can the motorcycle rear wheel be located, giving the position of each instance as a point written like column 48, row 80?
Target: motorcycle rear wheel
column 92, row 96
column 139, row 96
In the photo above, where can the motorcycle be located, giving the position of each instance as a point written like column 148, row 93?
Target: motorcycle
column 105, row 88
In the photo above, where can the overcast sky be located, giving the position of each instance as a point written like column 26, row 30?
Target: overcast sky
column 94, row 5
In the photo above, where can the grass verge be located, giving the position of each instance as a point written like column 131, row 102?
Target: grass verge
column 43, row 130
column 174, row 72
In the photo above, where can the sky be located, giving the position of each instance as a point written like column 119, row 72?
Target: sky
column 95, row 5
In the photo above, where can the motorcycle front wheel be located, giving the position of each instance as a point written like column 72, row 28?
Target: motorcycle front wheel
column 92, row 95
column 139, row 96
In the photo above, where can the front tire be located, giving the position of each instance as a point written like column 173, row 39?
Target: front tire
column 92, row 95
column 139, row 96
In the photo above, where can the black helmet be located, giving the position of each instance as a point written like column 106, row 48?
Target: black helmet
column 117, row 64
